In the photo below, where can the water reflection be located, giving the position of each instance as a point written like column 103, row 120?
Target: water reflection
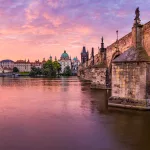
column 64, row 113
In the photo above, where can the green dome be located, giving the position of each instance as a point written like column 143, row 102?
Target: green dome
column 64, row 55
column 75, row 58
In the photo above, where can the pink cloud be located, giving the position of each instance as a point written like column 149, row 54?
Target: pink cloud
column 37, row 28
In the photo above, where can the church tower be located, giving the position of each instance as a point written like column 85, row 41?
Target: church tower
column 84, row 55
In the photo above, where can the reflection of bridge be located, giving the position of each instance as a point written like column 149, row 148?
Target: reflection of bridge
column 123, row 66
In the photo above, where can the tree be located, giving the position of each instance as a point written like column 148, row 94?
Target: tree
column 35, row 71
column 15, row 69
column 57, row 66
column 48, row 69
column 67, row 71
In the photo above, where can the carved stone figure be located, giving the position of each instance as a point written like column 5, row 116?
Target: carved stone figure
column 137, row 13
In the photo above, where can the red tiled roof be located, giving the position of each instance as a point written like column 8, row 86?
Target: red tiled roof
column 21, row 61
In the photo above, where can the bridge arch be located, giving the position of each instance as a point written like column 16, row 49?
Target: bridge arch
column 114, row 56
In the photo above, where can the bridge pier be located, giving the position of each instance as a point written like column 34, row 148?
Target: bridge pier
column 131, row 74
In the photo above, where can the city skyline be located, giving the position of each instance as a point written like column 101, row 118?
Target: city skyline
column 36, row 29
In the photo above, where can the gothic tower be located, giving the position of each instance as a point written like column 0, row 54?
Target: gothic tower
column 84, row 55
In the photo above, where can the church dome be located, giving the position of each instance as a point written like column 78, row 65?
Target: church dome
column 75, row 59
column 64, row 55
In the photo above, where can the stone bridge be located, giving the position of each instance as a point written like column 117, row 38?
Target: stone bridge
column 95, row 74
column 124, row 66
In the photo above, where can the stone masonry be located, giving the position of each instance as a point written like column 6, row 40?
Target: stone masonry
column 124, row 43
column 130, row 73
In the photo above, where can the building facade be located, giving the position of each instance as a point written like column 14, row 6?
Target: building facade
column 75, row 64
column 23, row 65
column 65, row 61
column 6, row 65
column 37, row 64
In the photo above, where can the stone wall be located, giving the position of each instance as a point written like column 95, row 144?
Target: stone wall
column 129, row 80
column 129, row 85
column 97, row 76
column 126, row 42
column 148, row 81
column 146, row 37
column 85, row 74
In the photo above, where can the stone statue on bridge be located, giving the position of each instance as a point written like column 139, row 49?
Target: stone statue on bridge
column 137, row 13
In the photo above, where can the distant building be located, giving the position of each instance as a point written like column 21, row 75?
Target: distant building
column 84, row 55
column 7, row 70
column 37, row 64
column 7, row 63
column 6, row 66
column 44, row 61
column 1, row 69
column 23, row 65
column 75, row 64
column 64, row 61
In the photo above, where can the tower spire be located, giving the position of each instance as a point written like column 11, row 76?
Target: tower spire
column 102, row 44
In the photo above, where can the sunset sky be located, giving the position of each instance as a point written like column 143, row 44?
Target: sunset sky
column 36, row 29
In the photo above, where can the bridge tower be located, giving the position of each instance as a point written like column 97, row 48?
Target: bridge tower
column 84, row 55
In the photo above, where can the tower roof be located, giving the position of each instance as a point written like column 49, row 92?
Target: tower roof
column 83, row 50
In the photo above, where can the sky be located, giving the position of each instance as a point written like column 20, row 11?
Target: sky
column 36, row 29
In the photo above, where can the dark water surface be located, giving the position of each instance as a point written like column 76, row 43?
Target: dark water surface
column 63, row 114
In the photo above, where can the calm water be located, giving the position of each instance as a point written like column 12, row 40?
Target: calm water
column 64, row 114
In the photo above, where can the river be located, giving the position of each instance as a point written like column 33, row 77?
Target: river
column 65, row 114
